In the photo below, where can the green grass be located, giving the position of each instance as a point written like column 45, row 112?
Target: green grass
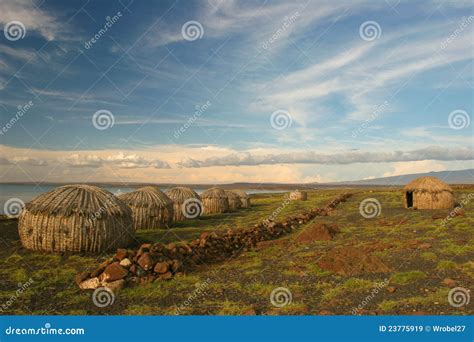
column 246, row 282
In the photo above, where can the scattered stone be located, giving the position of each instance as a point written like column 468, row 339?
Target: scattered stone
column 161, row 267
column 146, row 261
column 90, row 284
column 325, row 313
column 113, row 272
column 424, row 245
column 166, row 276
column 391, row 289
column 121, row 254
column 449, row 282
column 249, row 312
column 115, row 286
column 438, row 216
column 125, row 263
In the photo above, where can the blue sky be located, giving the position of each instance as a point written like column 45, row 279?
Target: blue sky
column 264, row 91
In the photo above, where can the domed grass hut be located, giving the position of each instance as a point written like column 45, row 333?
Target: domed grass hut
column 76, row 218
column 428, row 193
column 299, row 195
column 244, row 198
column 187, row 203
column 215, row 201
column 234, row 200
column 151, row 208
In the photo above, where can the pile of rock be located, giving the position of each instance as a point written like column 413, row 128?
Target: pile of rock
column 156, row 262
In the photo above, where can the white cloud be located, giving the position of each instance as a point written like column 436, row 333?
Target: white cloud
column 34, row 19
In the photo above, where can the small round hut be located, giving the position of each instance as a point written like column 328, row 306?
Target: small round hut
column 428, row 193
column 234, row 200
column 244, row 198
column 151, row 208
column 186, row 203
column 215, row 201
column 76, row 218
column 299, row 195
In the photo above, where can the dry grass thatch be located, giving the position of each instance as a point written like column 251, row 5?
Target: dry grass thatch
column 428, row 193
column 151, row 208
column 244, row 198
column 215, row 201
column 76, row 218
column 186, row 203
column 234, row 200
column 299, row 195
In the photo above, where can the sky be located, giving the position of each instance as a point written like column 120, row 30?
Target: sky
column 234, row 91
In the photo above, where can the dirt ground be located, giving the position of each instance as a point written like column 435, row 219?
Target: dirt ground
column 399, row 262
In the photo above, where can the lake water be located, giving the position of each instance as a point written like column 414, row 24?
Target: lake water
column 26, row 192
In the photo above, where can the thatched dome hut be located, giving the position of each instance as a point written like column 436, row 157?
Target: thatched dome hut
column 215, row 201
column 244, row 198
column 151, row 208
column 187, row 203
column 234, row 200
column 76, row 218
column 428, row 193
column 298, row 195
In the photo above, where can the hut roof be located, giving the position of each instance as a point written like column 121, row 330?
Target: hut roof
column 427, row 184
column 231, row 194
column 241, row 193
column 146, row 197
column 214, row 193
column 78, row 199
column 181, row 193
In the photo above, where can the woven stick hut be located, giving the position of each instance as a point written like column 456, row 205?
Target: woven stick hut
column 151, row 208
column 215, row 201
column 76, row 218
column 244, row 198
column 428, row 193
column 234, row 200
column 187, row 203
column 299, row 195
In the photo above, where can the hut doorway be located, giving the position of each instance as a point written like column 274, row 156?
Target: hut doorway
column 409, row 199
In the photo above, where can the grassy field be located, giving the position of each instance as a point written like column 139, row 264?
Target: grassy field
column 420, row 252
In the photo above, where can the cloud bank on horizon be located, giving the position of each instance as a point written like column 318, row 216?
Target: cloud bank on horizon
column 221, row 91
